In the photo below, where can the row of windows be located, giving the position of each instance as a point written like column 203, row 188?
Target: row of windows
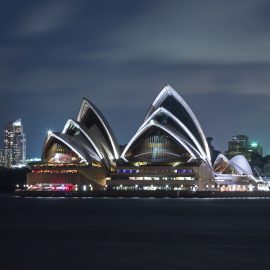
column 181, row 171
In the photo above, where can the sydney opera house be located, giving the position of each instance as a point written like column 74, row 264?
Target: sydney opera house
column 168, row 151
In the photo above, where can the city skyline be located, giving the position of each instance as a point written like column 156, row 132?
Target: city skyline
column 55, row 53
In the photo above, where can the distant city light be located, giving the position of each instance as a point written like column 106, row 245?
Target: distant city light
column 254, row 144
column 17, row 123
column 33, row 159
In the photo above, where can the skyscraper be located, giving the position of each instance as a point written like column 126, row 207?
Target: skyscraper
column 2, row 158
column 14, row 144
column 256, row 147
column 6, row 158
column 240, row 145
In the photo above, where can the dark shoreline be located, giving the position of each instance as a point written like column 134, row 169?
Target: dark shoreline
column 146, row 194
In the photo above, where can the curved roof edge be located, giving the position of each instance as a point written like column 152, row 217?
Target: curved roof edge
column 218, row 161
column 168, row 90
column 179, row 123
column 103, row 121
column 78, row 125
column 52, row 134
column 241, row 164
column 168, row 131
column 221, row 156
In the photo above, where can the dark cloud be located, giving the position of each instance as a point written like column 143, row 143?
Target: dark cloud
column 46, row 17
column 121, row 53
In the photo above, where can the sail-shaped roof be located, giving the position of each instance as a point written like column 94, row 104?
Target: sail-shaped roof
column 221, row 163
column 165, row 117
column 82, row 150
column 90, row 137
column 140, row 135
column 74, row 129
column 241, row 164
column 169, row 99
column 96, row 125
column 171, row 113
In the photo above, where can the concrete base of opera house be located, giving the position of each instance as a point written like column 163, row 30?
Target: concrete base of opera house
column 79, row 176
column 126, row 184
column 127, row 178
column 47, row 178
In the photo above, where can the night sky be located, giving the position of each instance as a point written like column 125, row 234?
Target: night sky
column 120, row 54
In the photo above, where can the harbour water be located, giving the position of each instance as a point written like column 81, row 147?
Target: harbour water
column 134, row 233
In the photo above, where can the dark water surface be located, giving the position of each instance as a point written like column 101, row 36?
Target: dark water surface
column 115, row 233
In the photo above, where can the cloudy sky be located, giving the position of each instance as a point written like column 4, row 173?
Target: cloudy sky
column 120, row 54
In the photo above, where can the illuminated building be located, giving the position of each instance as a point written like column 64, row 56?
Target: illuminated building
column 14, row 144
column 169, row 151
column 6, row 157
column 82, row 154
column 238, row 145
column 253, row 151
column 255, row 148
column 2, row 158
column 234, row 174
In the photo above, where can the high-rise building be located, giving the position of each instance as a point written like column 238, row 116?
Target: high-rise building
column 2, row 159
column 255, row 147
column 6, row 158
column 238, row 145
column 14, row 144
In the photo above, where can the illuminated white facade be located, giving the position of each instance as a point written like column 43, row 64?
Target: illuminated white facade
column 171, row 113
column 241, row 165
column 173, row 102
column 88, row 140
column 169, row 146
